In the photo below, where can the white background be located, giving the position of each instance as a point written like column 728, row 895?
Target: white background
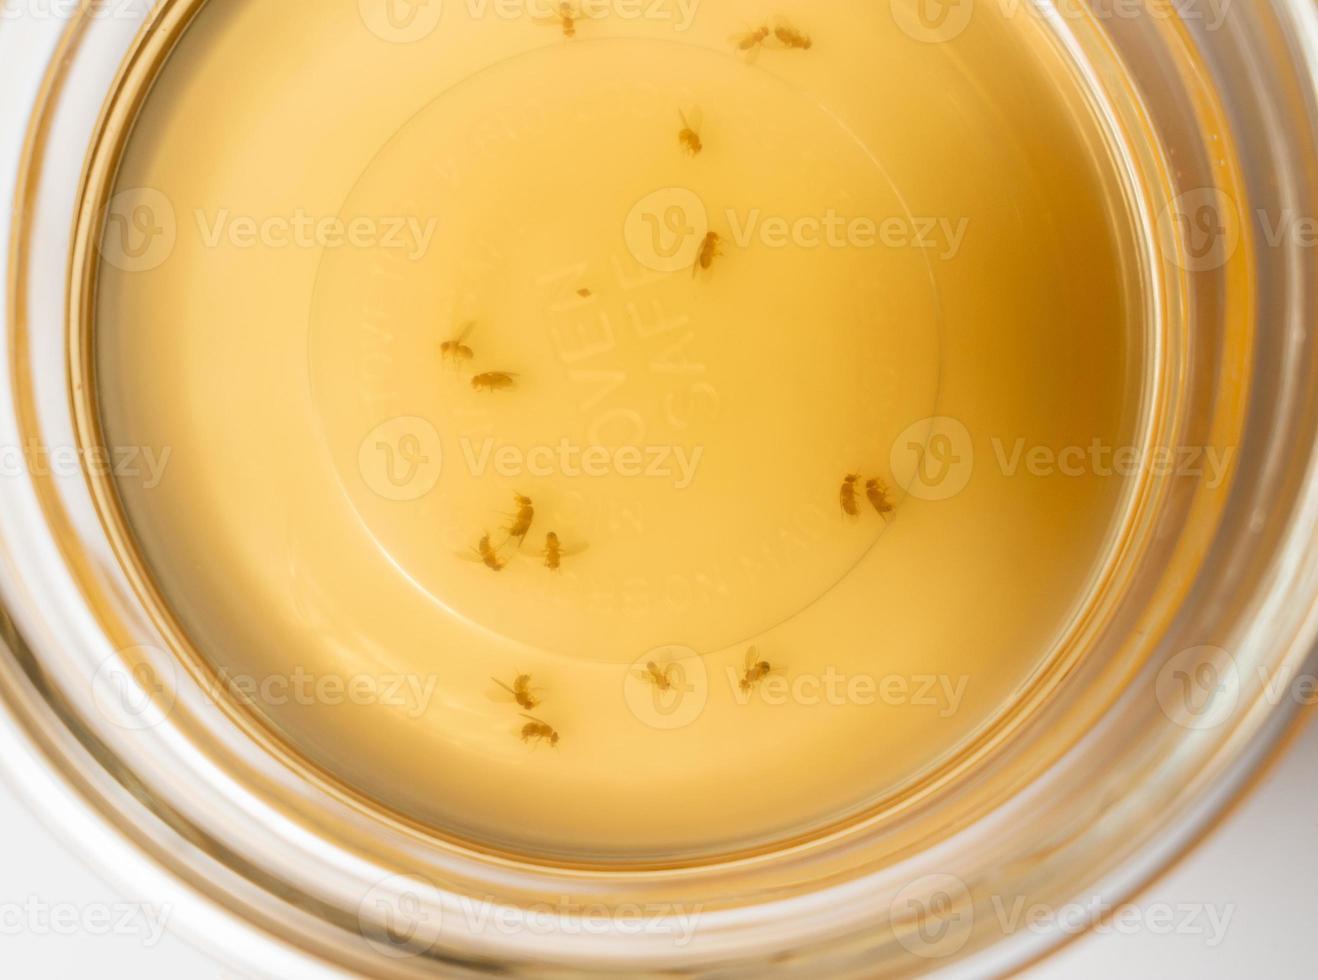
column 1260, row 867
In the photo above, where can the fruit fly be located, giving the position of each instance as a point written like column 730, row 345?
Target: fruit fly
column 555, row 551
column 520, row 690
column 877, row 492
column 585, row 293
column 494, row 381
column 488, row 555
column 456, row 350
column 709, row 248
column 789, row 37
column 660, row 677
column 689, row 137
column 847, row 496
column 754, row 669
column 751, row 43
column 565, row 15
column 552, row 552
column 537, row 731
column 521, row 525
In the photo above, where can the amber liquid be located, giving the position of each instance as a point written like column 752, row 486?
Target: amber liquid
column 331, row 472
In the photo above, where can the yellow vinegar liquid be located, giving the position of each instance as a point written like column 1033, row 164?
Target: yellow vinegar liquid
column 906, row 231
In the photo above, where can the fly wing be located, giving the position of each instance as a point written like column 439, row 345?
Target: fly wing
column 747, row 44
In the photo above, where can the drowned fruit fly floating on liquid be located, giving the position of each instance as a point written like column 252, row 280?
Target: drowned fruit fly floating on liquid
column 456, row 350
column 537, row 731
column 520, row 690
column 555, row 552
column 754, row 669
column 751, row 42
column 521, row 525
column 877, row 492
column 847, row 496
column 487, row 555
column 710, row 247
column 565, row 15
column 494, row 381
column 789, row 37
column 689, row 137
column 660, row 677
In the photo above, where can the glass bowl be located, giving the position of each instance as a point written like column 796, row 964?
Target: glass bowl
column 1182, row 677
